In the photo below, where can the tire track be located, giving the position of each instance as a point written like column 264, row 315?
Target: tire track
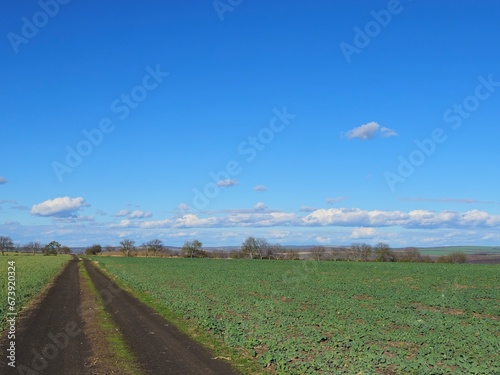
column 50, row 340
column 160, row 347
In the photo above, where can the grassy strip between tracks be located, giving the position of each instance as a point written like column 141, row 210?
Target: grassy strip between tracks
column 111, row 354
column 240, row 360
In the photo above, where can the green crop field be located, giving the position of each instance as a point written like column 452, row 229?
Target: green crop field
column 444, row 250
column 32, row 274
column 307, row 317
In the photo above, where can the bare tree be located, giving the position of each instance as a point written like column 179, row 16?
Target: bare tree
column 318, row 252
column 155, row 246
column 410, row 254
column 255, row 247
column 127, row 246
column 33, row 247
column 192, row 249
column 6, row 244
column 361, row 251
column 384, row 253
column 291, row 254
column 65, row 250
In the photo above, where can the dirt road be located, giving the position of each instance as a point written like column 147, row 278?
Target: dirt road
column 51, row 339
column 159, row 346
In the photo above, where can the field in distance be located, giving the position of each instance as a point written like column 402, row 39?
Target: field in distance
column 310, row 317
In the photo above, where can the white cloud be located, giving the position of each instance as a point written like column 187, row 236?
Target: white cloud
column 122, row 213
column 59, row 207
column 191, row 220
column 2, row 180
column 268, row 219
column 355, row 217
column 260, row 206
column 386, row 132
column 358, row 233
column 227, row 183
column 370, row 131
column 260, row 188
column 138, row 214
column 167, row 223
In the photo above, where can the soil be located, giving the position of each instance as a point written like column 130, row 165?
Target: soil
column 50, row 339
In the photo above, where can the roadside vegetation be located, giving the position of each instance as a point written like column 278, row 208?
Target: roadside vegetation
column 110, row 354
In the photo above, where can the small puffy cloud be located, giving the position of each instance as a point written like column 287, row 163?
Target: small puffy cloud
column 370, row 131
column 2, row 180
column 191, row 220
column 138, row 214
column 358, row 233
column 59, row 207
column 260, row 206
column 260, row 188
column 122, row 213
column 226, row 183
column 183, row 207
column 167, row 223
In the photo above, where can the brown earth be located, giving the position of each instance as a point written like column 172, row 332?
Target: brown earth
column 50, row 339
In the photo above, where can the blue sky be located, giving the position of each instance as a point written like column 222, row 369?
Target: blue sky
column 326, row 122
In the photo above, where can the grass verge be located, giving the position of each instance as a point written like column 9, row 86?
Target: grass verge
column 239, row 359
column 111, row 355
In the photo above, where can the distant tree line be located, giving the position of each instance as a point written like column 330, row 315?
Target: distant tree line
column 260, row 248
column 52, row 248
column 251, row 248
